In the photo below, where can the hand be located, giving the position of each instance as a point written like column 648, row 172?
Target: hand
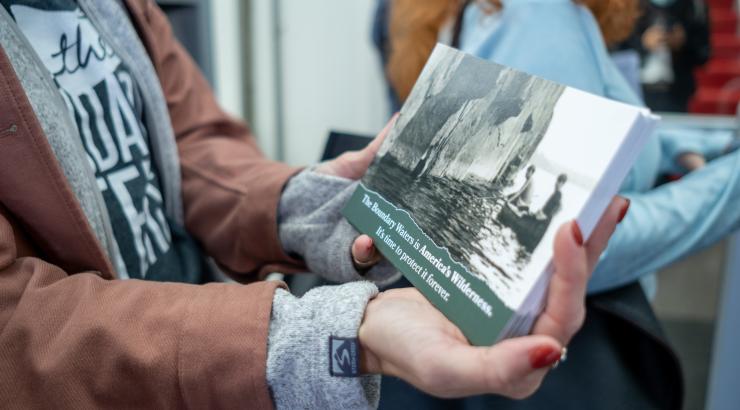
column 691, row 161
column 353, row 165
column 677, row 37
column 403, row 335
column 654, row 37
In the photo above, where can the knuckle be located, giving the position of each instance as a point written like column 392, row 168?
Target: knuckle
column 506, row 384
column 525, row 390
column 428, row 382
column 434, row 378
column 579, row 318
column 519, row 394
column 573, row 326
column 354, row 156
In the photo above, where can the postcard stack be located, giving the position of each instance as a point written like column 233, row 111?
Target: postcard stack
column 481, row 168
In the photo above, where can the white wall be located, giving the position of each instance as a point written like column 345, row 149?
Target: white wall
column 227, row 68
column 265, row 114
column 330, row 75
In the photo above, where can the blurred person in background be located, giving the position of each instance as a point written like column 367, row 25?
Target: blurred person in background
column 567, row 42
column 672, row 37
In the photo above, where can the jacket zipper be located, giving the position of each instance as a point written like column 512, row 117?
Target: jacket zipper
column 10, row 130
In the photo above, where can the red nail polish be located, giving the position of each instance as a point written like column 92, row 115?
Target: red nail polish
column 577, row 235
column 624, row 211
column 543, row 356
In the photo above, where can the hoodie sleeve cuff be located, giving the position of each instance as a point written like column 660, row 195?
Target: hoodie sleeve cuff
column 311, row 226
column 300, row 370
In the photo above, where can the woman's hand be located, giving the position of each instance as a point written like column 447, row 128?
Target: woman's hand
column 654, row 37
column 403, row 335
column 677, row 37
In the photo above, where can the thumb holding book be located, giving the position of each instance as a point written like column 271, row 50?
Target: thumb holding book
column 354, row 164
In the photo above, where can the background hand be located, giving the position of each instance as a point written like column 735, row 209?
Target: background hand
column 654, row 37
column 691, row 161
column 403, row 335
column 677, row 37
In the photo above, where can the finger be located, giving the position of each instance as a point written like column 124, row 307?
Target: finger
column 354, row 164
column 513, row 368
column 360, row 160
column 599, row 238
column 564, row 312
column 375, row 144
column 518, row 366
column 364, row 253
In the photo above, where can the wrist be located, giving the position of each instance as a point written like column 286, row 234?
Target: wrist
column 369, row 362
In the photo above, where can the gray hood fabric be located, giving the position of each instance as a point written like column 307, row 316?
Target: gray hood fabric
column 317, row 233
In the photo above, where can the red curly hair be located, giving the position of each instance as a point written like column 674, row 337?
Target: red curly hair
column 415, row 25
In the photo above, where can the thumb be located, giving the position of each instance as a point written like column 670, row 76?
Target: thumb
column 364, row 254
column 375, row 144
column 513, row 368
column 354, row 164
column 357, row 162
column 516, row 367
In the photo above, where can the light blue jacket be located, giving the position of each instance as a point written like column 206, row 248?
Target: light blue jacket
column 561, row 41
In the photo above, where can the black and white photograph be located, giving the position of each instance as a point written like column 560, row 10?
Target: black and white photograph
column 480, row 167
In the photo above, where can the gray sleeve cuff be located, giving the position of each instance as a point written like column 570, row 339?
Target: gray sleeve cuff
column 298, row 348
column 311, row 226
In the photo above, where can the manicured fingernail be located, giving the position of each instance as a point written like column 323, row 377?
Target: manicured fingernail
column 577, row 235
column 624, row 210
column 543, row 356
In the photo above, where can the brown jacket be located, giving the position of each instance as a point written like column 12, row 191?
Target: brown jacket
column 73, row 336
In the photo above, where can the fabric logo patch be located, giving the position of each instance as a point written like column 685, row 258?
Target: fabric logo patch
column 344, row 357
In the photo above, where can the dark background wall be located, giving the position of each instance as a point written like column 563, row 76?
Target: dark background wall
column 191, row 23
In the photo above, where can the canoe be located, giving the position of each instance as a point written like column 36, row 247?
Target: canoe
column 528, row 229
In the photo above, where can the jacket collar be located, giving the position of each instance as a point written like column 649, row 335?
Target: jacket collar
column 46, row 181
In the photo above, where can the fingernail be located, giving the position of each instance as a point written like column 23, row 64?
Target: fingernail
column 577, row 235
column 543, row 356
column 624, row 210
column 369, row 249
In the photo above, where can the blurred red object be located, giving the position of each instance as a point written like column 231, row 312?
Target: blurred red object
column 716, row 101
column 723, row 21
column 720, row 4
column 718, row 81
